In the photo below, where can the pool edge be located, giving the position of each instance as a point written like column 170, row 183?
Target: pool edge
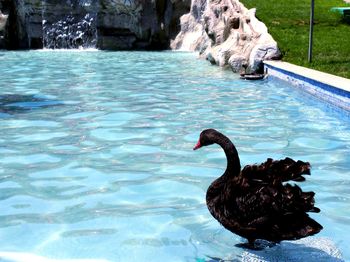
column 330, row 88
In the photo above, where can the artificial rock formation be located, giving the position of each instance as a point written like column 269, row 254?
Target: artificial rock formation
column 119, row 24
column 227, row 34
column 3, row 20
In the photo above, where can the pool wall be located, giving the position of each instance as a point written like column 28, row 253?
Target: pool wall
column 330, row 88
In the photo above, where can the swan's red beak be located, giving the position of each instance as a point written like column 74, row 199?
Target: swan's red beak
column 198, row 145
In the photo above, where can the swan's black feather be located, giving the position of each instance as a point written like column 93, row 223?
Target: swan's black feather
column 256, row 202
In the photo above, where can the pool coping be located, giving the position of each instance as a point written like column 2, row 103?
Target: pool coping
column 330, row 88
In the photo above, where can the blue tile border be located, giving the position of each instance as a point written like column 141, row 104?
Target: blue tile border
column 328, row 93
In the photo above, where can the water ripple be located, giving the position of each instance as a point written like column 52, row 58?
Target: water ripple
column 96, row 159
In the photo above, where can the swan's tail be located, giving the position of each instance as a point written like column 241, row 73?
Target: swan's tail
column 295, row 226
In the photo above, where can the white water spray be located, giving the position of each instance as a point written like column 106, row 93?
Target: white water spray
column 74, row 29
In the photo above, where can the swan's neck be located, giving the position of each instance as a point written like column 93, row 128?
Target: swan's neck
column 233, row 162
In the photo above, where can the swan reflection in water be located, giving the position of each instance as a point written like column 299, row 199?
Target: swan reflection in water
column 15, row 103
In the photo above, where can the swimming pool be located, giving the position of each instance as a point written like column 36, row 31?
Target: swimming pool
column 96, row 157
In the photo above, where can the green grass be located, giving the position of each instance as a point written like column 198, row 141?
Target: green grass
column 288, row 23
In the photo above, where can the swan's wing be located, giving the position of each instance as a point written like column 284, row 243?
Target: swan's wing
column 276, row 171
column 275, row 213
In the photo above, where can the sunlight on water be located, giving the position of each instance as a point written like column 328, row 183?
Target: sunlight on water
column 96, row 159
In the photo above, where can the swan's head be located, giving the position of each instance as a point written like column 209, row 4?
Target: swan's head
column 206, row 138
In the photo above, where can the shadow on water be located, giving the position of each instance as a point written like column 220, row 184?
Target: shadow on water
column 11, row 104
column 315, row 251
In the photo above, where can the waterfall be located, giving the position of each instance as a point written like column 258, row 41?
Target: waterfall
column 69, row 25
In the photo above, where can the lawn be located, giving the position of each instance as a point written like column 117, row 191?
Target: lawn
column 288, row 23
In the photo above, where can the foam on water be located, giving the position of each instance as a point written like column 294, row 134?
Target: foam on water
column 313, row 249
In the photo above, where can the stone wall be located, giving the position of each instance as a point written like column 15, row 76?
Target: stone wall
column 121, row 24
column 227, row 34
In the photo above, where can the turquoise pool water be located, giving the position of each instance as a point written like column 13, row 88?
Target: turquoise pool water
column 96, row 157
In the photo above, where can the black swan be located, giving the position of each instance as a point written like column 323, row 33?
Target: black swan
column 254, row 203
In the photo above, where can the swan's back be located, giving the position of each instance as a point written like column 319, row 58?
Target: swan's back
column 258, row 205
